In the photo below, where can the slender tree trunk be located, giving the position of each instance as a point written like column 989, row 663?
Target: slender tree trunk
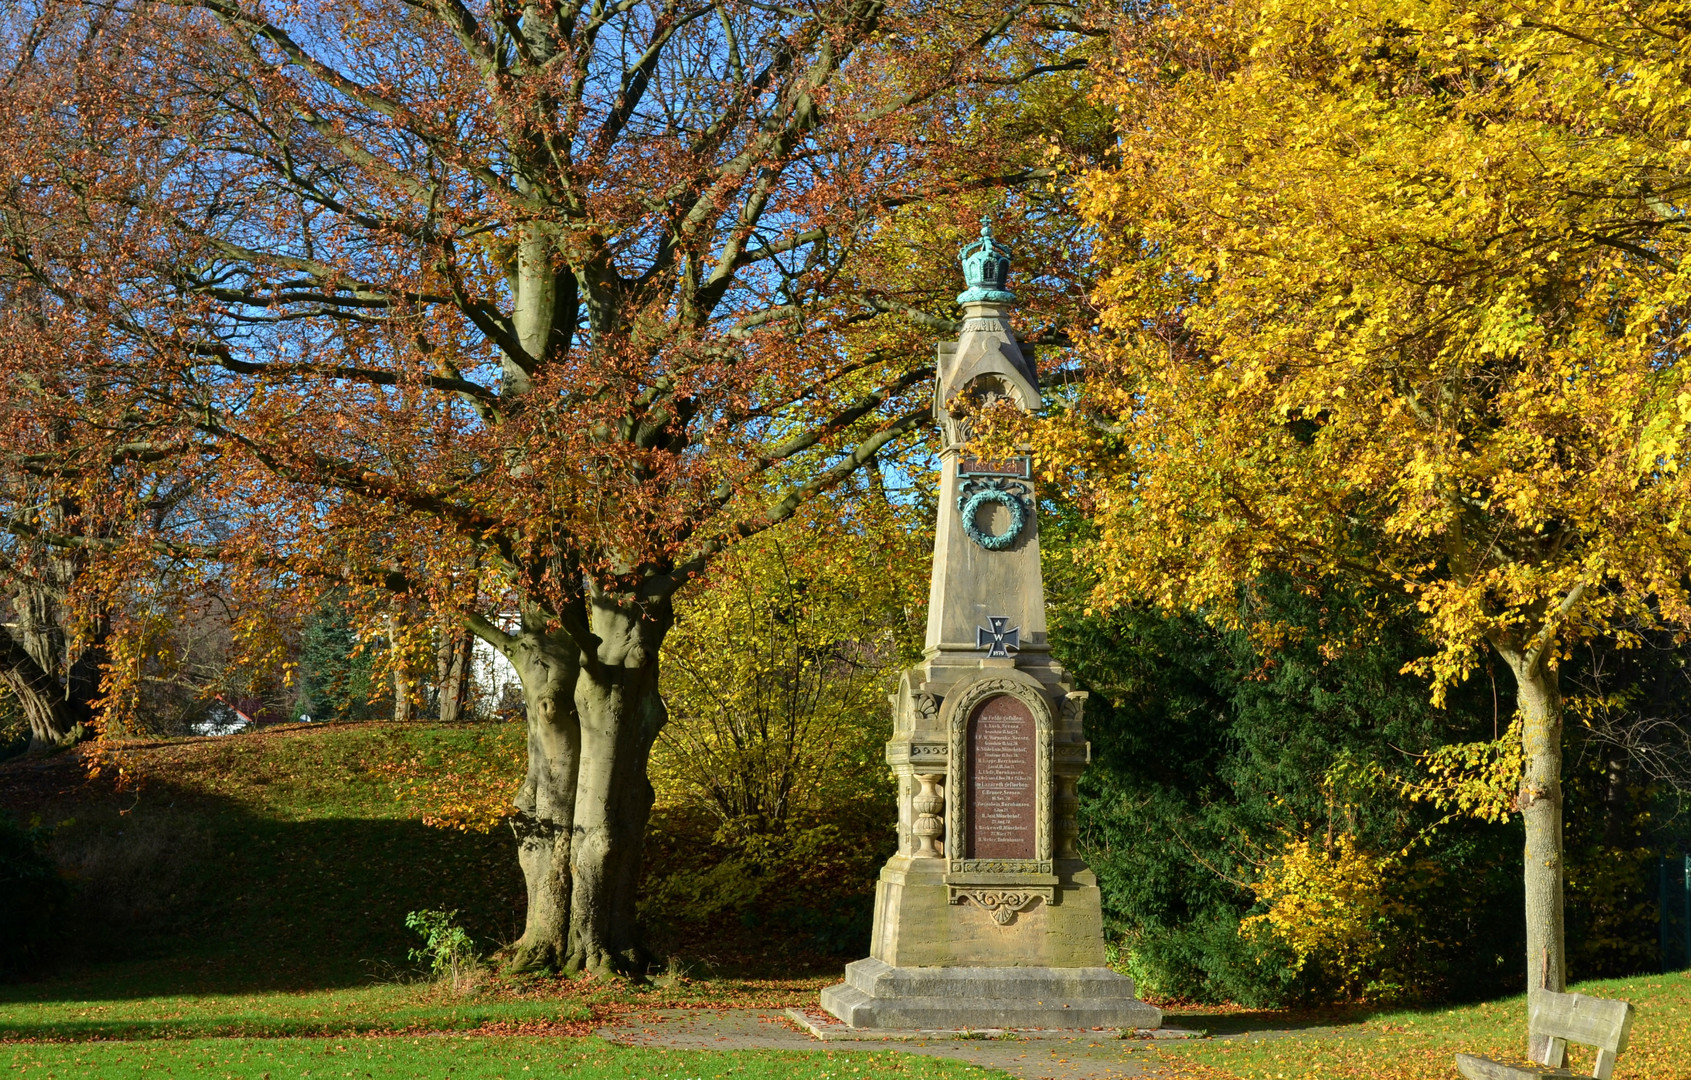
column 621, row 714
column 403, row 690
column 452, row 661
column 1616, row 801
column 402, row 711
column 1538, row 687
column 548, row 665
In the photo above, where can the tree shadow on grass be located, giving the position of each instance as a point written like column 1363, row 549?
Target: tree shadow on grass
column 1268, row 1023
column 179, row 892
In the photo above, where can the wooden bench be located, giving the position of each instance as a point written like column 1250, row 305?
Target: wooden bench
column 1561, row 1019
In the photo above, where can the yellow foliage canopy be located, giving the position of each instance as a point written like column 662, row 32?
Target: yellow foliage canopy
column 1393, row 295
column 779, row 666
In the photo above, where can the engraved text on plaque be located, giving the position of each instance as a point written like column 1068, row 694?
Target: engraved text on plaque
column 1001, row 780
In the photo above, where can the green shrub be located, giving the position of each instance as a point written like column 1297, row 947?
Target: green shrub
column 1210, row 753
column 447, row 950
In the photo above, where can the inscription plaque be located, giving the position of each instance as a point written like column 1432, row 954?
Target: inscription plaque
column 1002, row 785
column 970, row 465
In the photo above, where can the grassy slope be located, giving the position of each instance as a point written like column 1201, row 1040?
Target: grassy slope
column 284, row 860
column 258, row 885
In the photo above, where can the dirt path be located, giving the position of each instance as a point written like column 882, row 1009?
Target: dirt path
column 1078, row 1058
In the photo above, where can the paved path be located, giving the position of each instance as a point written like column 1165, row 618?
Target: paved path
column 1077, row 1058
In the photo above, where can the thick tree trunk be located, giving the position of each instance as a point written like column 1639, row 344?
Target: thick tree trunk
column 1538, row 687
column 50, row 724
column 548, row 665
column 621, row 714
column 82, row 680
column 53, row 716
column 38, row 626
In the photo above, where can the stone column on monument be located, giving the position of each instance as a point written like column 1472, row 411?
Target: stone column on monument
column 986, row 916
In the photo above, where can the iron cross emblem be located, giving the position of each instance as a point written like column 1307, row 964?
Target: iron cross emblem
column 998, row 637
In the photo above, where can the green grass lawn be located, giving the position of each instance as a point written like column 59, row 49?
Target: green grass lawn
column 57, row 1011
column 456, row 1058
column 1421, row 1044
column 87, row 1008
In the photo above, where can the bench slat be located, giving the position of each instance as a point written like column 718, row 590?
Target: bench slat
column 1588, row 1021
column 1479, row 1068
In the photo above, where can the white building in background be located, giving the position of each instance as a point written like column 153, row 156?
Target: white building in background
column 221, row 718
column 492, row 679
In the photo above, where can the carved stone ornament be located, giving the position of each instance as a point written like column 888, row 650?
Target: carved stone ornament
column 1071, row 753
column 1003, row 904
column 1074, row 706
column 922, row 756
column 929, row 806
column 1014, row 496
column 960, row 707
column 925, row 706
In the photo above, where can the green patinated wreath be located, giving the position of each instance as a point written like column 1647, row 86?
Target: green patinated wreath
column 972, row 505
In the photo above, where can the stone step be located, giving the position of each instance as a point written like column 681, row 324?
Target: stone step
column 878, row 979
column 859, row 1010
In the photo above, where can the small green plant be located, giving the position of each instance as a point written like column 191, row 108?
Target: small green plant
column 447, row 948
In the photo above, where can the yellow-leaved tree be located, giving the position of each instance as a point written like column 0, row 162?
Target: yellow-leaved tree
column 781, row 661
column 772, row 791
column 1393, row 297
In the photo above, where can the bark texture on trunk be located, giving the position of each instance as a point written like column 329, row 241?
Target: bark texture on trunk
column 57, row 693
column 548, row 665
column 621, row 714
column 1538, row 687
column 548, row 660
column 404, row 690
column 50, row 724
column 402, row 704
column 452, row 665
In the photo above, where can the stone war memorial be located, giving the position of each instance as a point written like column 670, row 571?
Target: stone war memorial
column 986, row 917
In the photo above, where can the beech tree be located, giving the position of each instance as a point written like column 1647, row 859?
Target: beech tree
column 520, row 311
column 67, row 501
column 1394, row 298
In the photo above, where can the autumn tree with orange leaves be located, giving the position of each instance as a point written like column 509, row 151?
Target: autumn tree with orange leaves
column 516, row 311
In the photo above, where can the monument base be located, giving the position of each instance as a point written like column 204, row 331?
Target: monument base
column 878, row 995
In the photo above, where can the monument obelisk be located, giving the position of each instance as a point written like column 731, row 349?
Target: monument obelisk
column 986, row 916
